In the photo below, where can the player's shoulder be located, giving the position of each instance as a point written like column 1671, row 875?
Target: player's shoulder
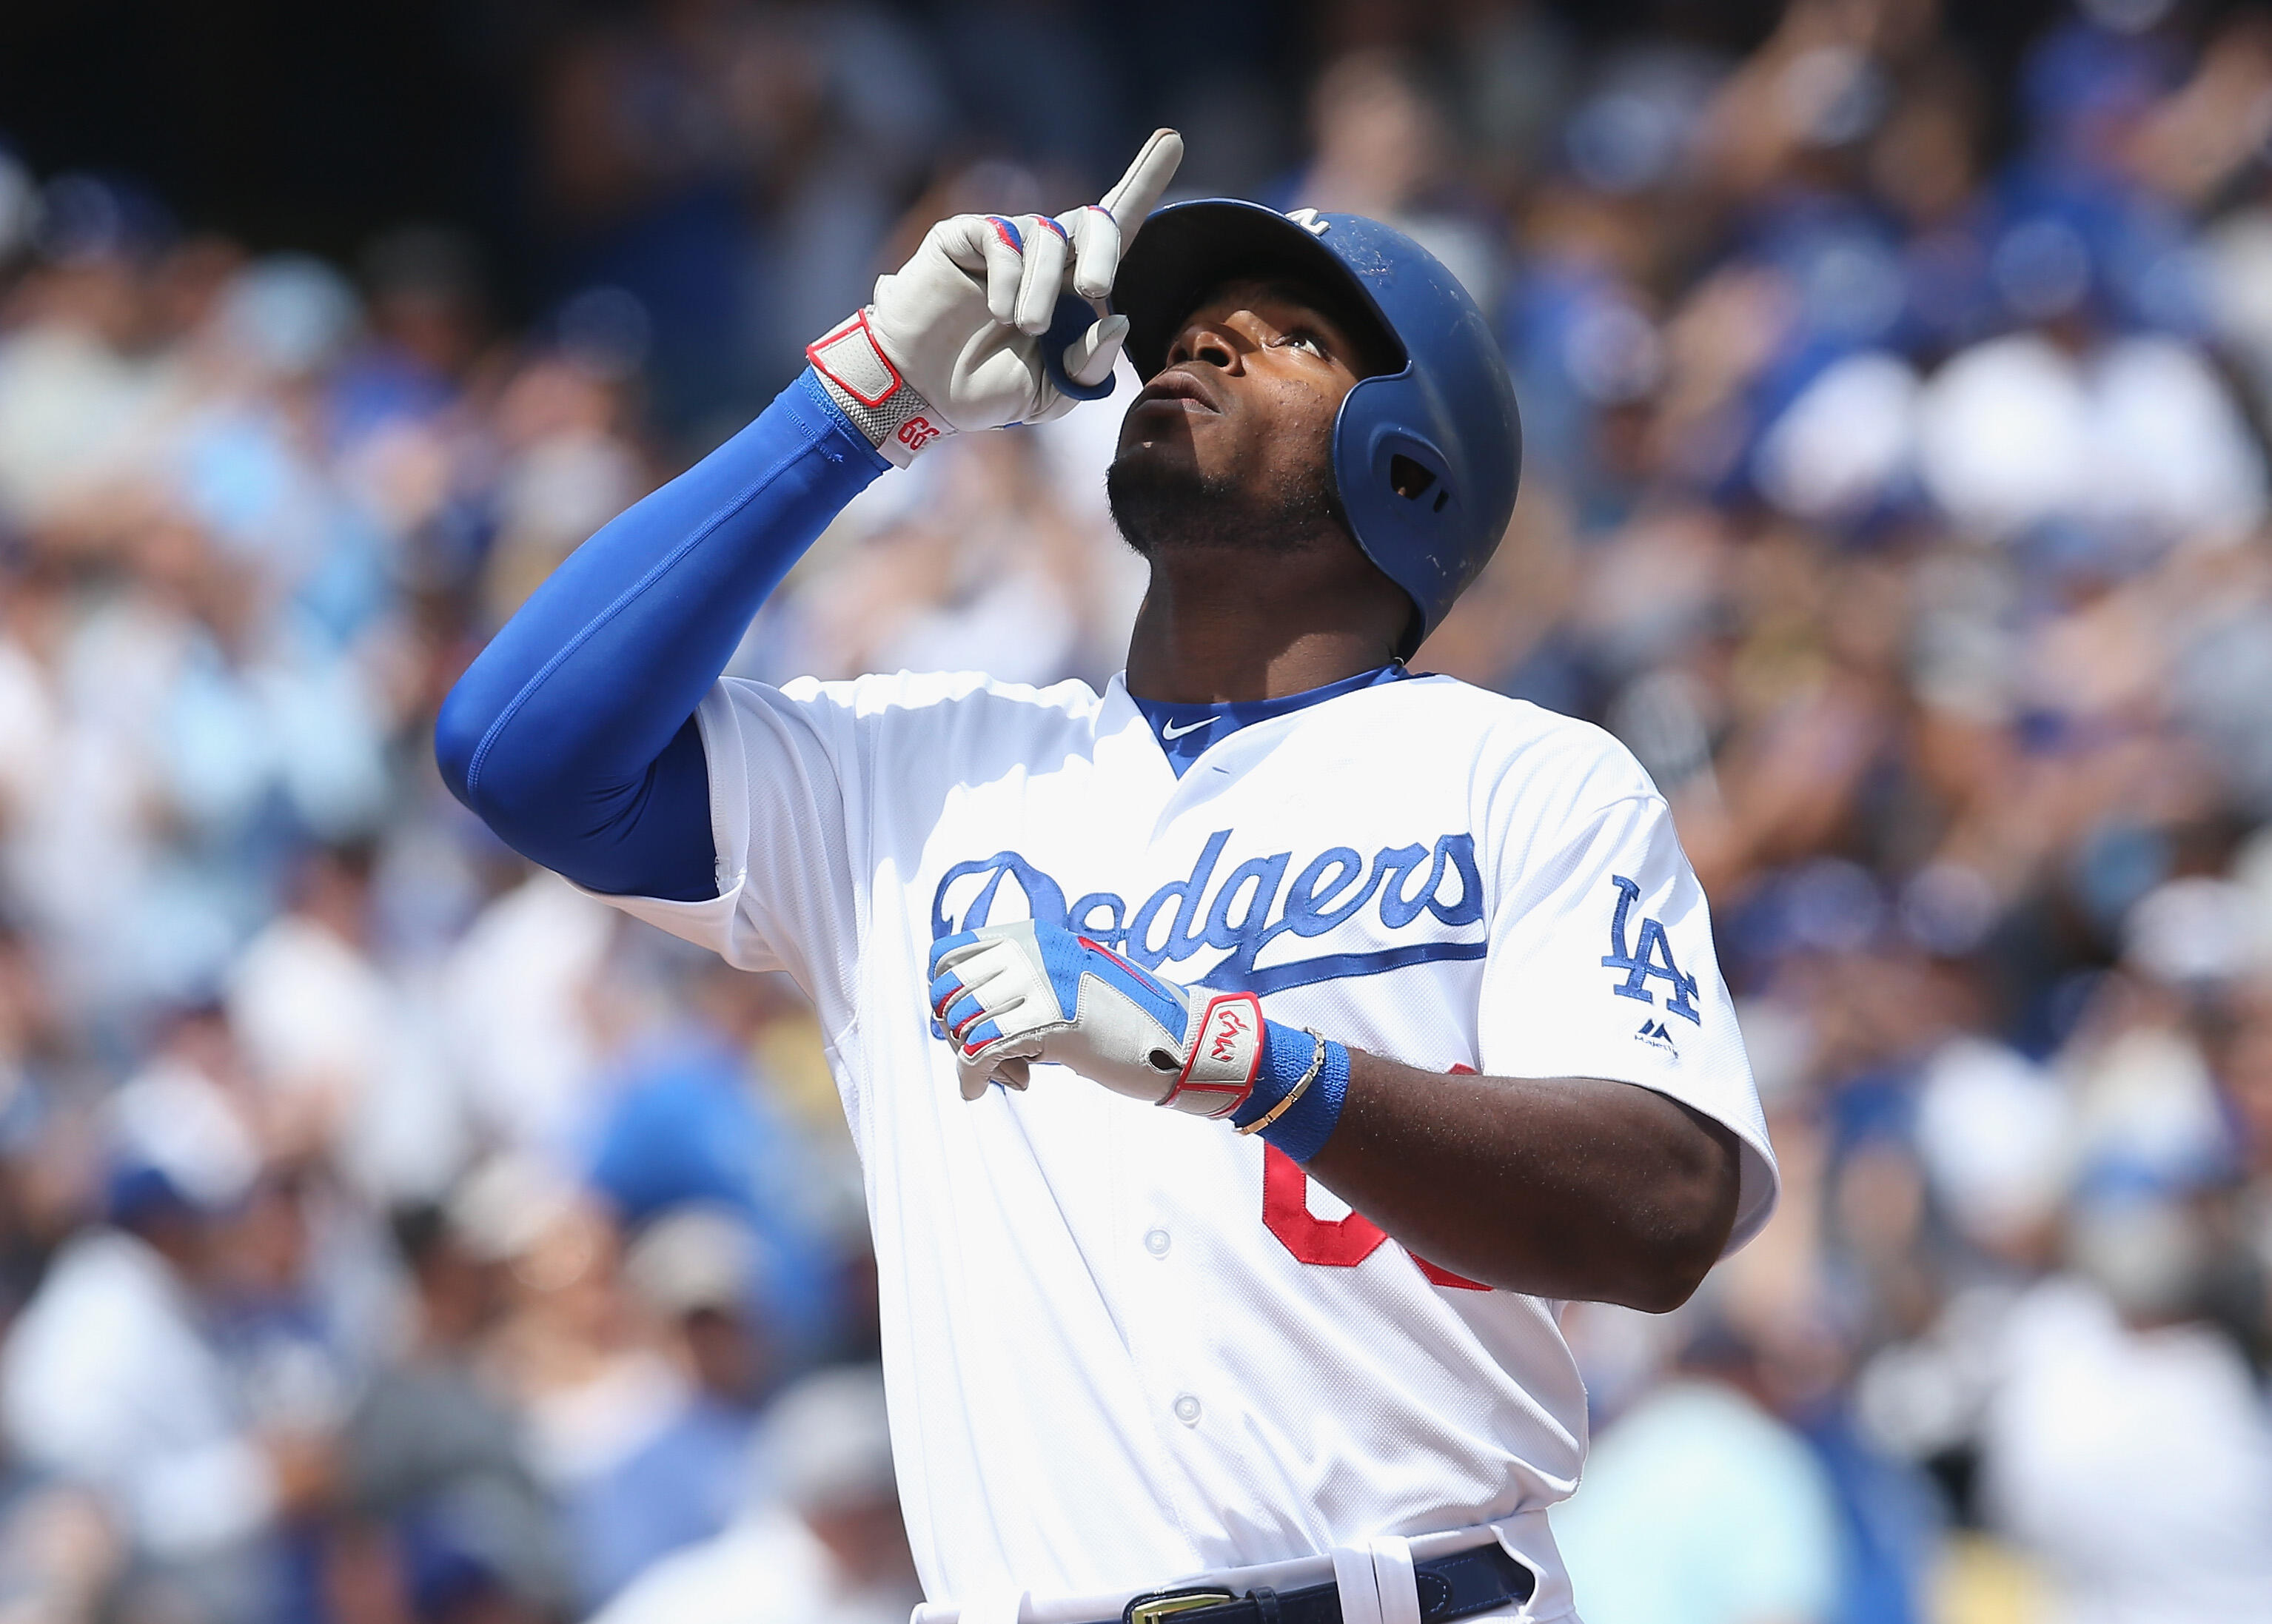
column 881, row 696
column 1523, row 744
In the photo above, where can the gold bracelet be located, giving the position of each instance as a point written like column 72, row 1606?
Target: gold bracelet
column 1317, row 1065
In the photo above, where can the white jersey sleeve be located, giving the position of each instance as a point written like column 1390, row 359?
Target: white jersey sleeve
column 784, row 765
column 802, row 778
column 1601, row 965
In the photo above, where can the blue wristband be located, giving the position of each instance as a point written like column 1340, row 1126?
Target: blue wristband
column 1287, row 1054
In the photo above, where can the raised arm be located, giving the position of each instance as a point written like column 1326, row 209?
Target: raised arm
column 572, row 735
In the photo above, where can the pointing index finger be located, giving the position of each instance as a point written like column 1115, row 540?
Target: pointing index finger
column 1104, row 230
column 1132, row 197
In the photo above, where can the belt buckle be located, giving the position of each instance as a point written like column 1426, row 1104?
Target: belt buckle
column 1154, row 1605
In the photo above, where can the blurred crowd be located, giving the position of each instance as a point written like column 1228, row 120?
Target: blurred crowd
column 390, row 1234
column 387, row 1231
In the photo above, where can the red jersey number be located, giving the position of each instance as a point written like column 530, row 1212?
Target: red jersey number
column 1329, row 1243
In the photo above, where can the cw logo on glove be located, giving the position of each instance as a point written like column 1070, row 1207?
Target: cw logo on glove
column 955, row 336
column 1008, row 995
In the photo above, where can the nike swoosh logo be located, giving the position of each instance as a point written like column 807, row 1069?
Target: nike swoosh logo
column 1169, row 730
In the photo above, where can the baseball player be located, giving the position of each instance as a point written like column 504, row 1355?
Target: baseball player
column 1246, row 1062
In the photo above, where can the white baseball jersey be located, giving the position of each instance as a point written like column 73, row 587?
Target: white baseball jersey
column 1123, row 1345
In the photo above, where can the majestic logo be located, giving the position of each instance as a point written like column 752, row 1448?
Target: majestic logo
column 1653, row 1033
column 1648, row 958
column 1169, row 730
column 1247, row 913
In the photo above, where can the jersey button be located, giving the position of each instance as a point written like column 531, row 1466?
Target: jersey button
column 1188, row 1410
column 1156, row 1242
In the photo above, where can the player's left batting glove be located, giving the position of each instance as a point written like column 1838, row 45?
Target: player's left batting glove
column 1011, row 995
column 977, row 331
column 1007, row 996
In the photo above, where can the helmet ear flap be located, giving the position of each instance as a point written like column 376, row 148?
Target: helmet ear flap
column 1404, row 497
column 1419, row 497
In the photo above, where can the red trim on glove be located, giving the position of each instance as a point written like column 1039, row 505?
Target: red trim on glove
column 816, row 353
column 1238, row 1091
column 1130, row 965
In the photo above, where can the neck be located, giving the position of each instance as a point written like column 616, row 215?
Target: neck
column 1224, row 628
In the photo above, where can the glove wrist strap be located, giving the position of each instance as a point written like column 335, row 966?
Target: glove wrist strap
column 1223, row 1054
column 868, row 388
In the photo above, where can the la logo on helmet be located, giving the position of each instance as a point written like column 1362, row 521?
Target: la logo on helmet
column 1308, row 220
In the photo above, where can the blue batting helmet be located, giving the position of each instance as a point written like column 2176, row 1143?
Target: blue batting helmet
column 1427, row 452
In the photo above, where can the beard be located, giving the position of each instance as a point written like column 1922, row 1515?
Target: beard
column 1163, row 507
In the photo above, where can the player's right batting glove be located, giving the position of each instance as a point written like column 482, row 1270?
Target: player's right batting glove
column 955, row 338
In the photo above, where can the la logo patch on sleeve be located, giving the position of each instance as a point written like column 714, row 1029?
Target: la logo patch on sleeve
column 1647, row 957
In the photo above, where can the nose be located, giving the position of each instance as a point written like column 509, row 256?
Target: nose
column 1212, row 342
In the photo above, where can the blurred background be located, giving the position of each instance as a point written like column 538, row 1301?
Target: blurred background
column 388, row 1234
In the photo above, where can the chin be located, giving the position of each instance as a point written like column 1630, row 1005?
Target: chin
column 1160, row 500
column 1165, row 503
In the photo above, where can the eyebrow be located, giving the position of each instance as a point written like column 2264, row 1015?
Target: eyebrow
column 1366, row 354
column 1295, row 293
column 1349, row 341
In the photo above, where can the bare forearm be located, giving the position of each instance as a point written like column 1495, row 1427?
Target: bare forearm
column 1565, row 1187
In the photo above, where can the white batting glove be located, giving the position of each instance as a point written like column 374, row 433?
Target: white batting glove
column 953, row 339
column 1008, row 995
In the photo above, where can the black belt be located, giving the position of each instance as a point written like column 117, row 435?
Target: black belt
column 1450, row 1587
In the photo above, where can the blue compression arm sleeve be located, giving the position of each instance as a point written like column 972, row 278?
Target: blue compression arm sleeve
column 572, row 735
